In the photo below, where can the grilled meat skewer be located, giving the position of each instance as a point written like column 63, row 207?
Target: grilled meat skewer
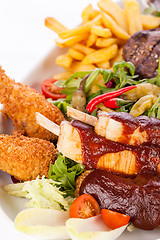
column 79, row 142
column 122, row 127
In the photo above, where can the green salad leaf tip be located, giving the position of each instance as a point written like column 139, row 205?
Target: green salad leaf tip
column 65, row 172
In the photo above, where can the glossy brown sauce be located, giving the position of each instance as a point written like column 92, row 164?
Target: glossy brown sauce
column 152, row 127
column 139, row 198
column 94, row 146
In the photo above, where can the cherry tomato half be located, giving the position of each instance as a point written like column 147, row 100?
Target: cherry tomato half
column 114, row 219
column 50, row 90
column 85, row 206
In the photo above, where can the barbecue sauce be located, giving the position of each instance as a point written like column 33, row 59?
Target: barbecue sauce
column 94, row 146
column 152, row 128
column 138, row 198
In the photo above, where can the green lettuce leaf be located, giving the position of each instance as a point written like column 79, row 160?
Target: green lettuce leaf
column 65, row 171
column 61, row 103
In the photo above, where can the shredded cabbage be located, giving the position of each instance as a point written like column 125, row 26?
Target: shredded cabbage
column 43, row 193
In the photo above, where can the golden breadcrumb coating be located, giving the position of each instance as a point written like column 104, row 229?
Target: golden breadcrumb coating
column 21, row 103
column 25, row 158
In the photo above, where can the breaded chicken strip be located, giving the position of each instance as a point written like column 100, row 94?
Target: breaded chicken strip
column 26, row 158
column 21, row 103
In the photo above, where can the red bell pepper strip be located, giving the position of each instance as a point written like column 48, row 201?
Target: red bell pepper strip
column 116, row 103
column 104, row 97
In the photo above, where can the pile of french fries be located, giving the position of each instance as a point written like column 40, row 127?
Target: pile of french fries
column 99, row 40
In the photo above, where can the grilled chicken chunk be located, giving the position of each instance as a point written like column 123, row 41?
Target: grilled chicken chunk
column 125, row 128
column 79, row 142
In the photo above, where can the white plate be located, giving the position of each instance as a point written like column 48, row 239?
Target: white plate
column 9, row 205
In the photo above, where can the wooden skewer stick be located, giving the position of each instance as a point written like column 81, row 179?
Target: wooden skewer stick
column 84, row 117
column 48, row 124
column 71, row 112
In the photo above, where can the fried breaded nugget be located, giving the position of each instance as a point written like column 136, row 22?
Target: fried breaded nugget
column 25, row 158
column 21, row 103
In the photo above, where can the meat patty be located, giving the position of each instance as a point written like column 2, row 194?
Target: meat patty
column 143, row 50
column 138, row 198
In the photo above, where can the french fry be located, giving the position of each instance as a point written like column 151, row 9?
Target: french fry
column 75, row 54
column 118, row 58
column 100, row 31
column 81, row 48
column 149, row 22
column 62, row 75
column 89, row 13
column 132, row 13
column 106, row 42
column 68, row 42
column 86, row 13
column 105, row 65
column 64, row 61
column 85, row 28
column 78, row 67
column 91, row 40
column 111, row 8
column 54, row 25
column 112, row 25
column 101, row 55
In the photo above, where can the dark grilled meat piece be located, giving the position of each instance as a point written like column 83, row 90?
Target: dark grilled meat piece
column 138, row 198
column 143, row 50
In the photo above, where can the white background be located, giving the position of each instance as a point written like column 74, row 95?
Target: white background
column 24, row 39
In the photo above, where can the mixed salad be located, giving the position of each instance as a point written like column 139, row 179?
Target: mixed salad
column 119, row 90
